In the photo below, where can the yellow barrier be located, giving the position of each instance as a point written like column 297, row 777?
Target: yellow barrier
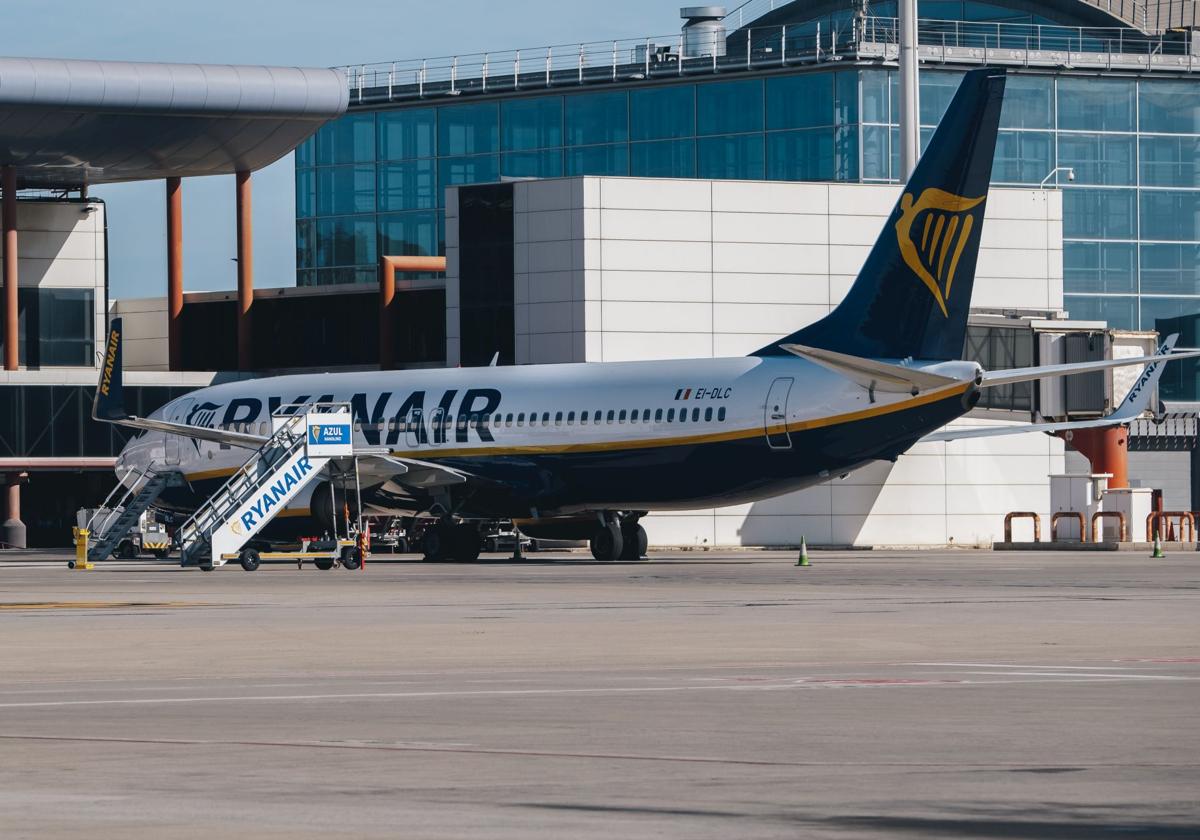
column 81, row 561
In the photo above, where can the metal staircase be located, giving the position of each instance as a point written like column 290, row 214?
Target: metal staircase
column 255, row 493
column 138, row 496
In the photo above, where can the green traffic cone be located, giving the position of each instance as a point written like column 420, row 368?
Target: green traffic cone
column 1158, row 552
column 803, row 561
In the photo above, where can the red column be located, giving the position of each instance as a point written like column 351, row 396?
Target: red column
column 12, row 529
column 387, row 319
column 1107, row 450
column 245, row 261
column 8, row 182
column 174, row 273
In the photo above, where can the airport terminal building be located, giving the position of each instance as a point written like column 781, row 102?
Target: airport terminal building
column 701, row 194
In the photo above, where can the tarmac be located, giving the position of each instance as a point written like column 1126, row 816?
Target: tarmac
column 966, row 694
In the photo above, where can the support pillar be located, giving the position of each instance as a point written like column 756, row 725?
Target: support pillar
column 910, row 91
column 12, row 349
column 1107, row 450
column 174, row 273
column 12, row 529
column 245, row 272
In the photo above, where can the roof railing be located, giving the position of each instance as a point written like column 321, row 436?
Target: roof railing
column 869, row 39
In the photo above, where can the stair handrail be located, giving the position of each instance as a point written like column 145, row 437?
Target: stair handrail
column 140, row 481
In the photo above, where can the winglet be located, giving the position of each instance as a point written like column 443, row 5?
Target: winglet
column 109, row 403
column 1138, row 398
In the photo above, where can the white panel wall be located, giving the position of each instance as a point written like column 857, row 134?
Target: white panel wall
column 60, row 244
column 610, row 269
column 144, row 343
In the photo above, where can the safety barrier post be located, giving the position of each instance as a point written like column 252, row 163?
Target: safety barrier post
column 1022, row 514
column 1106, row 514
column 1073, row 514
column 1157, row 521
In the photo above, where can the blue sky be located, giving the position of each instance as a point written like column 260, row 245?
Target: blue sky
column 285, row 32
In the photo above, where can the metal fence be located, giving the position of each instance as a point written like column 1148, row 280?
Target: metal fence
column 640, row 59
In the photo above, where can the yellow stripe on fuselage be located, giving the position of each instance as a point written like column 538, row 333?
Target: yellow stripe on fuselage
column 432, row 454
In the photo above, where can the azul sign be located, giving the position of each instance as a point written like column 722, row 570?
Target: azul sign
column 329, row 435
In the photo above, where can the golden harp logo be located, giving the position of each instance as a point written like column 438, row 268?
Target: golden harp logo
column 315, row 431
column 237, row 528
column 932, row 233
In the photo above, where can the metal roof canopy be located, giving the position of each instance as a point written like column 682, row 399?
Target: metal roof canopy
column 67, row 123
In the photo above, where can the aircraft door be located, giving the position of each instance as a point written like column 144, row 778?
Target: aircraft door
column 437, row 426
column 775, row 414
column 171, row 443
column 413, row 430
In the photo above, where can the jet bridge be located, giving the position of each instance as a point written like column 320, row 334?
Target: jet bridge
column 305, row 442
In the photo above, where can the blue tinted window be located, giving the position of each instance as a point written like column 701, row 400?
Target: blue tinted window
column 845, row 97
column 937, row 89
column 663, row 159
column 1105, row 159
column 305, row 243
column 1157, row 309
column 1118, row 312
column 532, row 123
column 1099, row 214
column 481, row 169
column 345, row 189
column 662, row 113
column 411, row 185
column 876, row 152
column 1104, row 267
column 1171, row 269
column 306, row 193
column 1170, row 215
column 409, row 234
column 1022, row 157
column 877, row 99
column 800, row 101
column 801, row 155
column 306, row 152
column 406, row 134
column 729, row 107
column 548, row 163
column 348, row 139
column 1091, row 104
column 1170, row 106
column 1170, row 161
column 346, row 241
column 597, row 118
column 1028, row 102
column 599, row 160
column 736, row 157
column 468, row 129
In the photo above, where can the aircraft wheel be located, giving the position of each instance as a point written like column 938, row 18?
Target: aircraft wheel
column 466, row 543
column 206, row 567
column 435, row 544
column 324, row 563
column 607, row 543
column 250, row 560
column 351, row 558
column 636, row 542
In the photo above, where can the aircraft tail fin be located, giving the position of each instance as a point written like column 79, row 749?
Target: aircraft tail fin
column 913, row 295
column 109, row 402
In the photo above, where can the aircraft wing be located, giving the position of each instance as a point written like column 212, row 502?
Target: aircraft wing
column 1134, row 405
column 870, row 373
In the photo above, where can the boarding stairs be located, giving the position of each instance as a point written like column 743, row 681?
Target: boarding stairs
column 115, row 518
column 261, row 488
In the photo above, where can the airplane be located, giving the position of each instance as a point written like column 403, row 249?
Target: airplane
column 584, row 451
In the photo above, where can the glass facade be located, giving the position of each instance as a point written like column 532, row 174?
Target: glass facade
column 373, row 181
column 56, row 327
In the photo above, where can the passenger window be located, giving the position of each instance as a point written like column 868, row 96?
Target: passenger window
column 658, row 415
column 695, row 415
column 545, row 418
column 583, row 418
column 521, row 419
column 708, row 415
column 633, row 416
column 611, row 415
column 621, row 416
column 683, row 415
column 558, row 418
column 570, row 418
column 670, row 415
column 721, row 414
column 508, row 420
column 646, row 415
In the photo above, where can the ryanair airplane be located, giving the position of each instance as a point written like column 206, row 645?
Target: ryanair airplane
column 583, row 451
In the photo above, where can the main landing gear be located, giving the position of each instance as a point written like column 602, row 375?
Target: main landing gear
column 460, row 542
column 619, row 539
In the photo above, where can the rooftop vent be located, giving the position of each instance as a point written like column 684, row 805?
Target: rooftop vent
column 703, row 32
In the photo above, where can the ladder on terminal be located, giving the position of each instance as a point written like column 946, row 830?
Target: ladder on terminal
column 256, row 492
column 111, row 523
